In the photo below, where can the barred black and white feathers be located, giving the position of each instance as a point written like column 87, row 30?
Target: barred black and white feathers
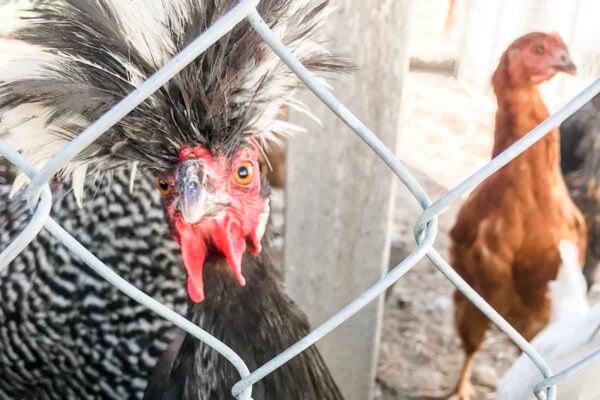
column 66, row 333
column 83, row 56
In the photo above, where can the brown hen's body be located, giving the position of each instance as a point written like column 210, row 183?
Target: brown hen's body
column 505, row 241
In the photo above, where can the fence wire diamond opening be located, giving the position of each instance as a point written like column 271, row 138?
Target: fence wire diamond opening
column 425, row 230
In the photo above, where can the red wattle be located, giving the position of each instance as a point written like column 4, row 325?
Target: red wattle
column 193, row 250
column 228, row 237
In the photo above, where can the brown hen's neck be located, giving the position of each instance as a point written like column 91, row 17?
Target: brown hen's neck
column 520, row 109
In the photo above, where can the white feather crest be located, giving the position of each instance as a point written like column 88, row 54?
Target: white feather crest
column 10, row 17
column 145, row 23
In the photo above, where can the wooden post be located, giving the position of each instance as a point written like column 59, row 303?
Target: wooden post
column 340, row 194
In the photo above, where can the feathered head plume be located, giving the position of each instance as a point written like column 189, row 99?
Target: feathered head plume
column 80, row 57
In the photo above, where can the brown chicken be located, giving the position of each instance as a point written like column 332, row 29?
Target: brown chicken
column 505, row 241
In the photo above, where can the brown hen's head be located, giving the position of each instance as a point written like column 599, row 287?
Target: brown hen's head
column 534, row 58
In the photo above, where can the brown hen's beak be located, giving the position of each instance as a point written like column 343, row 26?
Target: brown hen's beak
column 564, row 63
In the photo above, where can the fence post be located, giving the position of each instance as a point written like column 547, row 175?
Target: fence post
column 340, row 195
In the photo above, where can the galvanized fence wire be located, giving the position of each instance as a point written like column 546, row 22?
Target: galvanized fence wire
column 40, row 200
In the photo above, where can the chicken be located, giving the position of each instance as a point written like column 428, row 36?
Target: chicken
column 6, row 172
column 573, row 334
column 259, row 321
column 580, row 163
column 505, row 240
column 66, row 333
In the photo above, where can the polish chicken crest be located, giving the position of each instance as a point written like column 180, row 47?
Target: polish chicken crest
column 200, row 134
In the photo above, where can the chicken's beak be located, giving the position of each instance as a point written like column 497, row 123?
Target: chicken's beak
column 203, row 227
column 564, row 63
column 191, row 193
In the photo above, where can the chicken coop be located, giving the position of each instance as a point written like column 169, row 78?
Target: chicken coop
column 422, row 229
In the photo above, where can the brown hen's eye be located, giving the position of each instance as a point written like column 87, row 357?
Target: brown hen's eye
column 244, row 173
column 538, row 49
column 163, row 187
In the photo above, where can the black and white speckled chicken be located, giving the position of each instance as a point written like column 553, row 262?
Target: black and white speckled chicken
column 64, row 332
column 580, row 164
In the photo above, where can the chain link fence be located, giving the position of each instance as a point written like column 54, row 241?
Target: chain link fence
column 425, row 230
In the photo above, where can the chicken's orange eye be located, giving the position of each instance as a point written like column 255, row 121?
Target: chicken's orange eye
column 163, row 187
column 244, row 173
column 538, row 49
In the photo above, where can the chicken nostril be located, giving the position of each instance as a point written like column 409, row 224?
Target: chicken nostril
column 193, row 186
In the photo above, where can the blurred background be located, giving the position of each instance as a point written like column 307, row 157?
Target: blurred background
column 423, row 86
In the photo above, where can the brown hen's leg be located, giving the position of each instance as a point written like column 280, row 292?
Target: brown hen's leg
column 471, row 325
column 464, row 389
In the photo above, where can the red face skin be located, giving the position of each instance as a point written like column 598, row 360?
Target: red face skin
column 537, row 57
column 224, row 218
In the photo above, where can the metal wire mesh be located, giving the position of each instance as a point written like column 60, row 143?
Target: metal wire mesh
column 425, row 230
